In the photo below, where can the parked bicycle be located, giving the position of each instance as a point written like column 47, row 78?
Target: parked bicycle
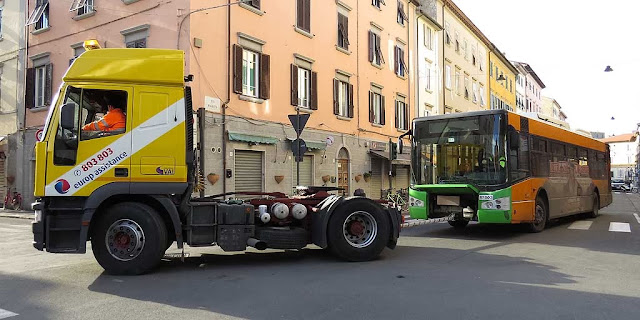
column 398, row 199
column 12, row 200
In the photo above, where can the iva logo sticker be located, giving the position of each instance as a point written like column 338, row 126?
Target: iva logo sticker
column 164, row 171
column 62, row 186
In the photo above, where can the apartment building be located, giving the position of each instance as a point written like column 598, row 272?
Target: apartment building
column 429, row 75
column 12, row 68
column 466, row 55
column 528, row 88
column 502, row 75
column 551, row 108
column 623, row 150
column 56, row 32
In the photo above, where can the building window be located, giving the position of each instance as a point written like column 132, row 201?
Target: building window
column 254, row 3
column 480, row 62
column 342, row 98
column 82, row 6
column 303, row 20
column 376, row 108
column 304, row 86
column 466, row 87
column 447, row 76
column 457, row 43
column 250, row 73
column 482, row 101
column 136, row 37
column 427, row 76
column 490, row 68
column 447, row 34
column 375, row 53
column 376, row 3
column 343, row 31
column 428, row 37
column 466, row 50
column 140, row 43
column 0, row 23
column 400, row 67
column 458, row 83
column 40, row 15
column 402, row 115
column 402, row 16
column 474, row 88
column 41, row 75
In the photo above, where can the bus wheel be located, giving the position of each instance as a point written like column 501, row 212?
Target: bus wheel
column 459, row 224
column 595, row 211
column 358, row 231
column 129, row 238
column 540, row 218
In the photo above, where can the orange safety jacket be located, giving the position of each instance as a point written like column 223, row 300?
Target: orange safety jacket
column 113, row 120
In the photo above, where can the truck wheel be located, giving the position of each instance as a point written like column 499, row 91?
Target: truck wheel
column 459, row 224
column 358, row 231
column 129, row 238
column 541, row 216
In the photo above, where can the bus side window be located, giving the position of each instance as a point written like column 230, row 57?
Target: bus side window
column 519, row 159
column 539, row 158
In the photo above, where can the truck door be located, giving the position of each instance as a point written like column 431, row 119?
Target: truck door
column 92, row 141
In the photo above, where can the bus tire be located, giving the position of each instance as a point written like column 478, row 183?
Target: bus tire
column 541, row 217
column 358, row 231
column 595, row 209
column 130, row 238
column 459, row 224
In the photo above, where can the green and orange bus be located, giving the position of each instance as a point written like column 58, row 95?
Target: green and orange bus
column 496, row 166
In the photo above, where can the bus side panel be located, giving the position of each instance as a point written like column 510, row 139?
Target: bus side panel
column 523, row 197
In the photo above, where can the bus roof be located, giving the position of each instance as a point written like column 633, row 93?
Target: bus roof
column 149, row 66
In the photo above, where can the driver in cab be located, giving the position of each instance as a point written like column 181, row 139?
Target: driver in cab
column 113, row 120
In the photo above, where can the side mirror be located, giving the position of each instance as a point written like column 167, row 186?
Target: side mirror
column 68, row 116
column 399, row 145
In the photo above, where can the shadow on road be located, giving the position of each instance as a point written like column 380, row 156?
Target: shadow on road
column 24, row 296
column 409, row 282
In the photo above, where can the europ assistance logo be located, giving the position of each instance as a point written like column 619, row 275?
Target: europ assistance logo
column 62, row 186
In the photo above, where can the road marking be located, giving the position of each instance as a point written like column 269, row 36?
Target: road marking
column 637, row 217
column 6, row 314
column 581, row 225
column 619, row 227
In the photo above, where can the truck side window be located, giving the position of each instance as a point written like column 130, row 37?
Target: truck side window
column 66, row 141
column 103, row 113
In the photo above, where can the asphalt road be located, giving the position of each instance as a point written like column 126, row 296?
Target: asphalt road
column 576, row 269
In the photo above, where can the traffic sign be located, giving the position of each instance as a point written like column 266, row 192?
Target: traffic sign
column 299, row 126
column 39, row 135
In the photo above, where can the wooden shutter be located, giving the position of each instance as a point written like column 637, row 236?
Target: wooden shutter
column 307, row 15
column 371, row 45
column 265, row 71
column 300, row 13
column 345, row 30
column 406, row 116
column 382, row 111
column 314, row 91
column 372, row 115
column 336, row 105
column 237, row 69
column 395, row 60
column 48, row 84
column 30, row 89
column 294, row 85
column 350, row 111
column 396, row 112
column 378, row 50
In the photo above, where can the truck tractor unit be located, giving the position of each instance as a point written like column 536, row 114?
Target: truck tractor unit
column 130, row 190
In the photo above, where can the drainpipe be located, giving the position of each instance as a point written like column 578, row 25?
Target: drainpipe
column 444, row 83
column 226, row 103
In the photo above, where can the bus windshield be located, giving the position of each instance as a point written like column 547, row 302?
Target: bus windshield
column 468, row 150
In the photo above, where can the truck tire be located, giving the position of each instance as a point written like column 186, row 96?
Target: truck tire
column 358, row 231
column 130, row 238
column 541, row 216
column 283, row 238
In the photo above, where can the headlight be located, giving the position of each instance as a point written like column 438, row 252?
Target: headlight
column 498, row 204
column 414, row 202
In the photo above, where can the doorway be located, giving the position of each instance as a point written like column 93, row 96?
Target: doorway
column 343, row 171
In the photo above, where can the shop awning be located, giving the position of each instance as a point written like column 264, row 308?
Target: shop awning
column 380, row 154
column 251, row 138
column 403, row 158
column 313, row 145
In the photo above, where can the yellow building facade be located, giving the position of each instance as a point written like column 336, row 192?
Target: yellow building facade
column 502, row 78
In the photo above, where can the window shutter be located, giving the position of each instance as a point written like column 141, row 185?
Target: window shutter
column 314, row 91
column 30, row 91
column 371, row 45
column 255, row 3
column 396, row 107
column 350, row 112
column 265, row 71
column 372, row 116
column 237, row 69
column 307, row 15
column 406, row 116
column 336, row 105
column 294, row 85
column 382, row 111
column 345, row 30
column 300, row 13
column 377, row 37
column 48, row 84
column 395, row 60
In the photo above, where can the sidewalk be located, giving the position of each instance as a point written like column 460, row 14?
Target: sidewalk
column 20, row 214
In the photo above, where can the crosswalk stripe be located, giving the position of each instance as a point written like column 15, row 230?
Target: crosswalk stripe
column 619, row 227
column 637, row 217
column 6, row 314
column 581, row 225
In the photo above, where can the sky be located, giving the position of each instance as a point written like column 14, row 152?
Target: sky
column 569, row 43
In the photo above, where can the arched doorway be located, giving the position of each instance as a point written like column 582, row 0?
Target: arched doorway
column 343, row 170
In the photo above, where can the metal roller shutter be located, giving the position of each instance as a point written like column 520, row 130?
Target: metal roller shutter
column 402, row 177
column 248, row 171
column 306, row 172
column 376, row 178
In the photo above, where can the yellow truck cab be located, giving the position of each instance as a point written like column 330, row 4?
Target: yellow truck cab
column 116, row 166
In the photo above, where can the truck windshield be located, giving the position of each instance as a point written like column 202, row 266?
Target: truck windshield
column 50, row 113
column 460, row 150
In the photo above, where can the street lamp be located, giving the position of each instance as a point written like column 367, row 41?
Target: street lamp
column 608, row 69
column 501, row 78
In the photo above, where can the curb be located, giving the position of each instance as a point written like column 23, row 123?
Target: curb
column 17, row 215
